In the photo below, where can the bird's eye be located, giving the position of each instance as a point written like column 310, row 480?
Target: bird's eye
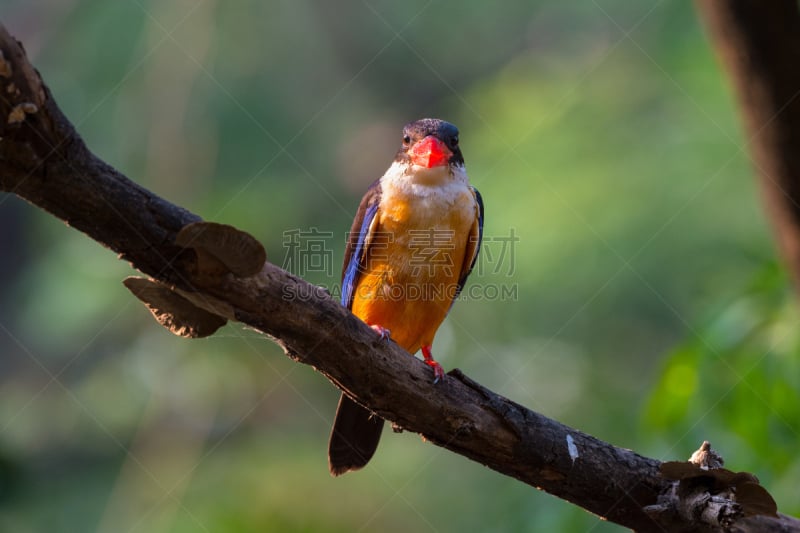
column 454, row 141
column 406, row 139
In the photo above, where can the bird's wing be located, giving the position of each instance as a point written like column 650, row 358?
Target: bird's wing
column 358, row 241
column 474, row 242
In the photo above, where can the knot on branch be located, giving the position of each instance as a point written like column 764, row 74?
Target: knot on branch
column 709, row 496
column 20, row 85
column 19, row 111
column 175, row 312
column 220, row 249
column 25, row 130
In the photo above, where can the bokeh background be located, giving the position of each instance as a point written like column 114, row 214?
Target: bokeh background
column 629, row 285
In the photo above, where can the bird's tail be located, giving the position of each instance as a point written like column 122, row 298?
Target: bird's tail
column 354, row 437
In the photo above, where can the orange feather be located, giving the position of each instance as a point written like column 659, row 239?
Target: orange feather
column 412, row 269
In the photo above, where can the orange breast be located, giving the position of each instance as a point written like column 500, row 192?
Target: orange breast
column 412, row 267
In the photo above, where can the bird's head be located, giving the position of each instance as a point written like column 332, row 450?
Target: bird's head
column 430, row 143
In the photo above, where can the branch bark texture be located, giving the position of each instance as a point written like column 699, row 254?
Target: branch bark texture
column 43, row 160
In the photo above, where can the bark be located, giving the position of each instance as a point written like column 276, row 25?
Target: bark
column 43, row 160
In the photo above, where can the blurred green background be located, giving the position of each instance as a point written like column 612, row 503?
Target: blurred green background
column 629, row 286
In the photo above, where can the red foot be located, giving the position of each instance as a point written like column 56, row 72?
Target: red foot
column 381, row 331
column 438, row 371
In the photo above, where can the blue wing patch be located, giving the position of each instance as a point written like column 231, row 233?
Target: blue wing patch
column 474, row 245
column 479, row 199
column 353, row 266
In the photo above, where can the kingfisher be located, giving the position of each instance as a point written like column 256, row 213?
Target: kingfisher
column 414, row 240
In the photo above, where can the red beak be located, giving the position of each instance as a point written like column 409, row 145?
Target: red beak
column 430, row 152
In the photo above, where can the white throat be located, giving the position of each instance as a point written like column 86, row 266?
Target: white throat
column 413, row 180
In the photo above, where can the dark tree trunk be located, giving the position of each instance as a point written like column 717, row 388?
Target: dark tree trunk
column 759, row 45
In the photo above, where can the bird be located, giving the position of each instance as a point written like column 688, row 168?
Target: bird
column 413, row 243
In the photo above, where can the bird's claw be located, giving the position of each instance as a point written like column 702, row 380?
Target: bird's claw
column 382, row 332
column 438, row 371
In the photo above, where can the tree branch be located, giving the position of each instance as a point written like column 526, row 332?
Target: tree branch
column 43, row 160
